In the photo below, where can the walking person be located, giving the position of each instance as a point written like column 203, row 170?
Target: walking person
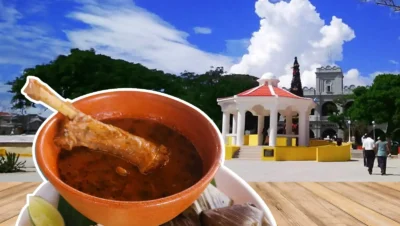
column 382, row 153
column 376, row 145
column 369, row 149
column 362, row 142
column 265, row 136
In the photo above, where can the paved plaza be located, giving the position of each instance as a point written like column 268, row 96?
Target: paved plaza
column 288, row 171
column 295, row 171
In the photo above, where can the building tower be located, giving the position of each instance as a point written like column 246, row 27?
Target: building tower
column 296, row 87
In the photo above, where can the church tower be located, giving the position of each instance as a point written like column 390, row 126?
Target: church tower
column 296, row 87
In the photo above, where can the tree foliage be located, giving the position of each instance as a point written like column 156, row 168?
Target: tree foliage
column 388, row 3
column 380, row 102
column 340, row 117
column 82, row 72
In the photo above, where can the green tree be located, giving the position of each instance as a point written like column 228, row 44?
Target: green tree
column 202, row 90
column 81, row 72
column 380, row 102
column 340, row 117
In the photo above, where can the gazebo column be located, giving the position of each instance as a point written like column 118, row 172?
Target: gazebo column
column 225, row 125
column 240, row 127
column 289, row 124
column 303, row 128
column 273, row 126
column 307, row 129
column 288, row 128
column 260, row 127
column 234, row 128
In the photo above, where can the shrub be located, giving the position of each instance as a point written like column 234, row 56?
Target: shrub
column 10, row 164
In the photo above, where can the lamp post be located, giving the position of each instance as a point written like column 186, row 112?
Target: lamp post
column 349, row 122
column 373, row 129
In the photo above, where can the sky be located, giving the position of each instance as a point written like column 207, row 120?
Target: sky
column 250, row 37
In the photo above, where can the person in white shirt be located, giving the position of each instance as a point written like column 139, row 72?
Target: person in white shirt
column 369, row 149
column 362, row 141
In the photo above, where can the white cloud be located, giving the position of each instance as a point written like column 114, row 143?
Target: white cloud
column 354, row 77
column 373, row 75
column 25, row 45
column 289, row 29
column 123, row 30
column 134, row 34
column 9, row 14
column 393, row 62
column 202, row 30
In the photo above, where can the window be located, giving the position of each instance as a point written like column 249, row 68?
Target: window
column 328, row 86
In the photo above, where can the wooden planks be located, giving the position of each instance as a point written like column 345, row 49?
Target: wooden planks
column 10, row 222
column 307, row 203
column 315, row 207
column 282, row 209
column 12, row 199
column 358, row 211
column 392, row 185
column 332, row 203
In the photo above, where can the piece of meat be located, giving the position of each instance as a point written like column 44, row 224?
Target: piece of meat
column 236, row 215
column 85, row 131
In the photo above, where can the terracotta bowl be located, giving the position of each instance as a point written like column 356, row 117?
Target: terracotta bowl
column 170, row 111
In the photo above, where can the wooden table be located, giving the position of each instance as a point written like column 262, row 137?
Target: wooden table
column 308, row 204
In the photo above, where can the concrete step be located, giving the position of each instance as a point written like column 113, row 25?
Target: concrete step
column 250, row 151
column 255, row 159
column 243, row 154
column 251, row 148
column 250, row 156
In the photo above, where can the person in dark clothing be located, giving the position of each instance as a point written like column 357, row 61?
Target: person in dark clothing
column 369, row 149
column 382, row 153
column 376, row 148
column 339, row 141
column 265, row 135
column 364, row 157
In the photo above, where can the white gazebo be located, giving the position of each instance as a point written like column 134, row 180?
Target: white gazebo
column 267, row 99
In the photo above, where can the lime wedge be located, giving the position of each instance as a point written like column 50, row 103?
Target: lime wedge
column 42, row 213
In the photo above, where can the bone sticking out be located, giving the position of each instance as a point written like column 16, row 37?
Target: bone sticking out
column 36, row 90
column 83, row 130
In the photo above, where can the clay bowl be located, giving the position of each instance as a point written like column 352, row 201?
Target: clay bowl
column 123, row 103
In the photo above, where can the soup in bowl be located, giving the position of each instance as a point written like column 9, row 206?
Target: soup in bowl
column 110, row 190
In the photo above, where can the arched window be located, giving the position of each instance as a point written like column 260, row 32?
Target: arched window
column 328, row 108
column 328, row 86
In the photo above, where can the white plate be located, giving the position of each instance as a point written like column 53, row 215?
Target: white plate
column 225, row 180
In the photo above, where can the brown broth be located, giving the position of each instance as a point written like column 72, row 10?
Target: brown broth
column 94, row 172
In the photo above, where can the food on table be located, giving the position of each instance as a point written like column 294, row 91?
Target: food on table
column 121, row 171
column 214, row 208
column 43, row 213
column 240, row 215
column 80, row 129
column 125, row 159
column 95, row 173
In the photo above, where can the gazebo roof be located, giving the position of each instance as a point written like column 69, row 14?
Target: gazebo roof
column 267, row 88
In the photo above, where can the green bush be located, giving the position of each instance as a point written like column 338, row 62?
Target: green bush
column 10, row 164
